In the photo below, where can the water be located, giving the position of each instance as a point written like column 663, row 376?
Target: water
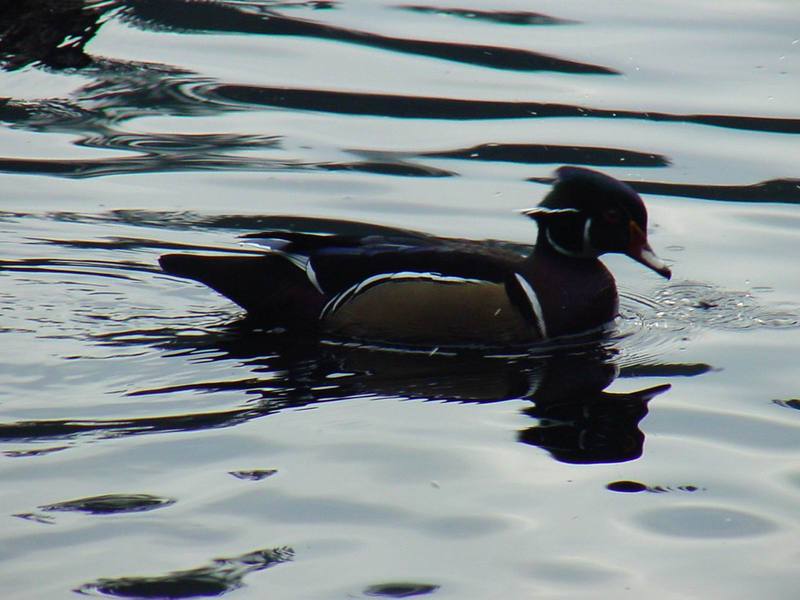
column 155, row 446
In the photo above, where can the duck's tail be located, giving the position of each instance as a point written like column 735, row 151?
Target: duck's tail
column 267, row 287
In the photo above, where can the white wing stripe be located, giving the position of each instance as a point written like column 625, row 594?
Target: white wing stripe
column 337, row 301
column 312, row 277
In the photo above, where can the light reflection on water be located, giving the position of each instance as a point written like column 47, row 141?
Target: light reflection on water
column 156, row 445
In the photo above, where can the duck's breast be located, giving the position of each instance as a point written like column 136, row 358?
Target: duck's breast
column 576, row 296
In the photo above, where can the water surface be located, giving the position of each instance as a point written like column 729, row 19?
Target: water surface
column 155, row 445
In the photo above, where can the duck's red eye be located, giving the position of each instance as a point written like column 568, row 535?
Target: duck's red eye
column 611, row 216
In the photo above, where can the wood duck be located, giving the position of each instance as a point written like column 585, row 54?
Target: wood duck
column 379, row 284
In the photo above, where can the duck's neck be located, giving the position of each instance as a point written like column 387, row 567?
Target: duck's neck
column 550, row 247
column 576, row 293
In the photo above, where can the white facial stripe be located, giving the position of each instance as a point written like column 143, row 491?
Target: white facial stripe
column 541, row 210
column 533, row 300
column 353, row 291
column 588, row 249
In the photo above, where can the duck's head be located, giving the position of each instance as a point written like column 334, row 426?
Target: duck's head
column 588, row 213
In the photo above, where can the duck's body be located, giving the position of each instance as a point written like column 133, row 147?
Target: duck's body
column 398, row 286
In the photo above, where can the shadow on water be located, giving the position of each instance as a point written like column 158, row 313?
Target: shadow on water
column 420, row 107
column 211, row 17
column 213, row 376
column 549, row 153
column 576, row 420
column 501, row 17
column 221, row 576
column 54, row 35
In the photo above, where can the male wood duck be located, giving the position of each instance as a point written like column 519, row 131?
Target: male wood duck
column 380, row 284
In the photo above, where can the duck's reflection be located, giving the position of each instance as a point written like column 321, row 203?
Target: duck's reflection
column 573, row 417
column 577, row 421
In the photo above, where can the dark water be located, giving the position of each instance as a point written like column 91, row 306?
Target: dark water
column 155, row 446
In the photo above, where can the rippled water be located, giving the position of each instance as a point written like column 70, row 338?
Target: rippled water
column 155, row 445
